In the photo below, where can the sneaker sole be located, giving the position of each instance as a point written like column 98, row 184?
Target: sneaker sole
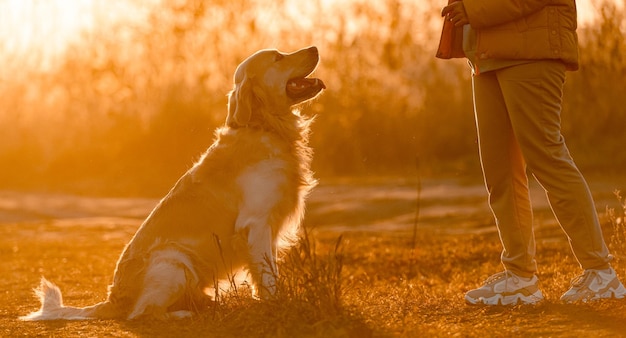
column 498, row 299
column 611, row 293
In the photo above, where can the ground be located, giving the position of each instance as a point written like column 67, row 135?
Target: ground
column 395, row 259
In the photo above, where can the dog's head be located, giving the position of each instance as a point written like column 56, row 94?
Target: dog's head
column 272, row 82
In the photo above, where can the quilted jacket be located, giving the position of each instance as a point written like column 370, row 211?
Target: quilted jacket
column 524, row 30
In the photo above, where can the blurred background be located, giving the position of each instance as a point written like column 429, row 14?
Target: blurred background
column 120, row 97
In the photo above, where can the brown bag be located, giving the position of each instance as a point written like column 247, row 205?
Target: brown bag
column 451, row 41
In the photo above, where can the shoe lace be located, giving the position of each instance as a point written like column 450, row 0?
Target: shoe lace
column 581, row 280
column 497, row 277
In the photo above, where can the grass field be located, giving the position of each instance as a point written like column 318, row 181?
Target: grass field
column 360, row 272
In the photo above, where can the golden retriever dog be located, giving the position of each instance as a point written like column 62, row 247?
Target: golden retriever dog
column 236, row 207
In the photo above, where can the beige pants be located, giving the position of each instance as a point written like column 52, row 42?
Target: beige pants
column 519, row 127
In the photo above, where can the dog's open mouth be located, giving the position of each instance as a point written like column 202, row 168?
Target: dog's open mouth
column 304, row 87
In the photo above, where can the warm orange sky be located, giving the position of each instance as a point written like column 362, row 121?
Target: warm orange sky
column 40, row 30
column 37, row 31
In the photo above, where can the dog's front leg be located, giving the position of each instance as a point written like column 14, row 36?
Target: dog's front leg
column 256, row 241
column 262, row 260
column 260, row 186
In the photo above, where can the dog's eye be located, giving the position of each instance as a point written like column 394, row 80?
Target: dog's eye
column 278, row 57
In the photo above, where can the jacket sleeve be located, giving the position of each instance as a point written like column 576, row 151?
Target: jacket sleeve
column 487, row 13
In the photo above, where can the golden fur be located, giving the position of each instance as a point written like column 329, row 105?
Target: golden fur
column 239, row 204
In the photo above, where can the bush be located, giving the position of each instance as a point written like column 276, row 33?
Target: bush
column 131, row 106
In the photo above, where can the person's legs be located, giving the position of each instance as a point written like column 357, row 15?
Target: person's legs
column 518, row 118
column 532, row 93
column 505, row 176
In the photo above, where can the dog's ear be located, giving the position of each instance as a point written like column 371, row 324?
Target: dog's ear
column 240, row 104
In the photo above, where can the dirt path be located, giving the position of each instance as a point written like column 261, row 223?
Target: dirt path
column 392, row 288
column 382, row 205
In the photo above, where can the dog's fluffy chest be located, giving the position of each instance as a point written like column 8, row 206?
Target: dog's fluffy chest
column 250, row 158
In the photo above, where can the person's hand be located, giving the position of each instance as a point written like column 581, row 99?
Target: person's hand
column 455, row 12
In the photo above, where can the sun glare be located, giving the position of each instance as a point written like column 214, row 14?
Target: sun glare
column 40, row 30
column 36, row 33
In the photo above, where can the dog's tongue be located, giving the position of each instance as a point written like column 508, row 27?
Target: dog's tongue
column 297, row 87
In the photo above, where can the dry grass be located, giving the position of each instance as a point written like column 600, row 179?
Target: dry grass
column 147, row 104
column 355, row 284
column 145, row 97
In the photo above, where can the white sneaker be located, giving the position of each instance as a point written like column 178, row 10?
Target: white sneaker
column 506, row 288
column 594, row 285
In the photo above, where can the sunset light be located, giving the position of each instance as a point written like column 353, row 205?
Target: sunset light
column 173, row 119
column 107, row 69
column 38, row 32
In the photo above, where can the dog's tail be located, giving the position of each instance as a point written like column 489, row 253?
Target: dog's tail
column 52, row 306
